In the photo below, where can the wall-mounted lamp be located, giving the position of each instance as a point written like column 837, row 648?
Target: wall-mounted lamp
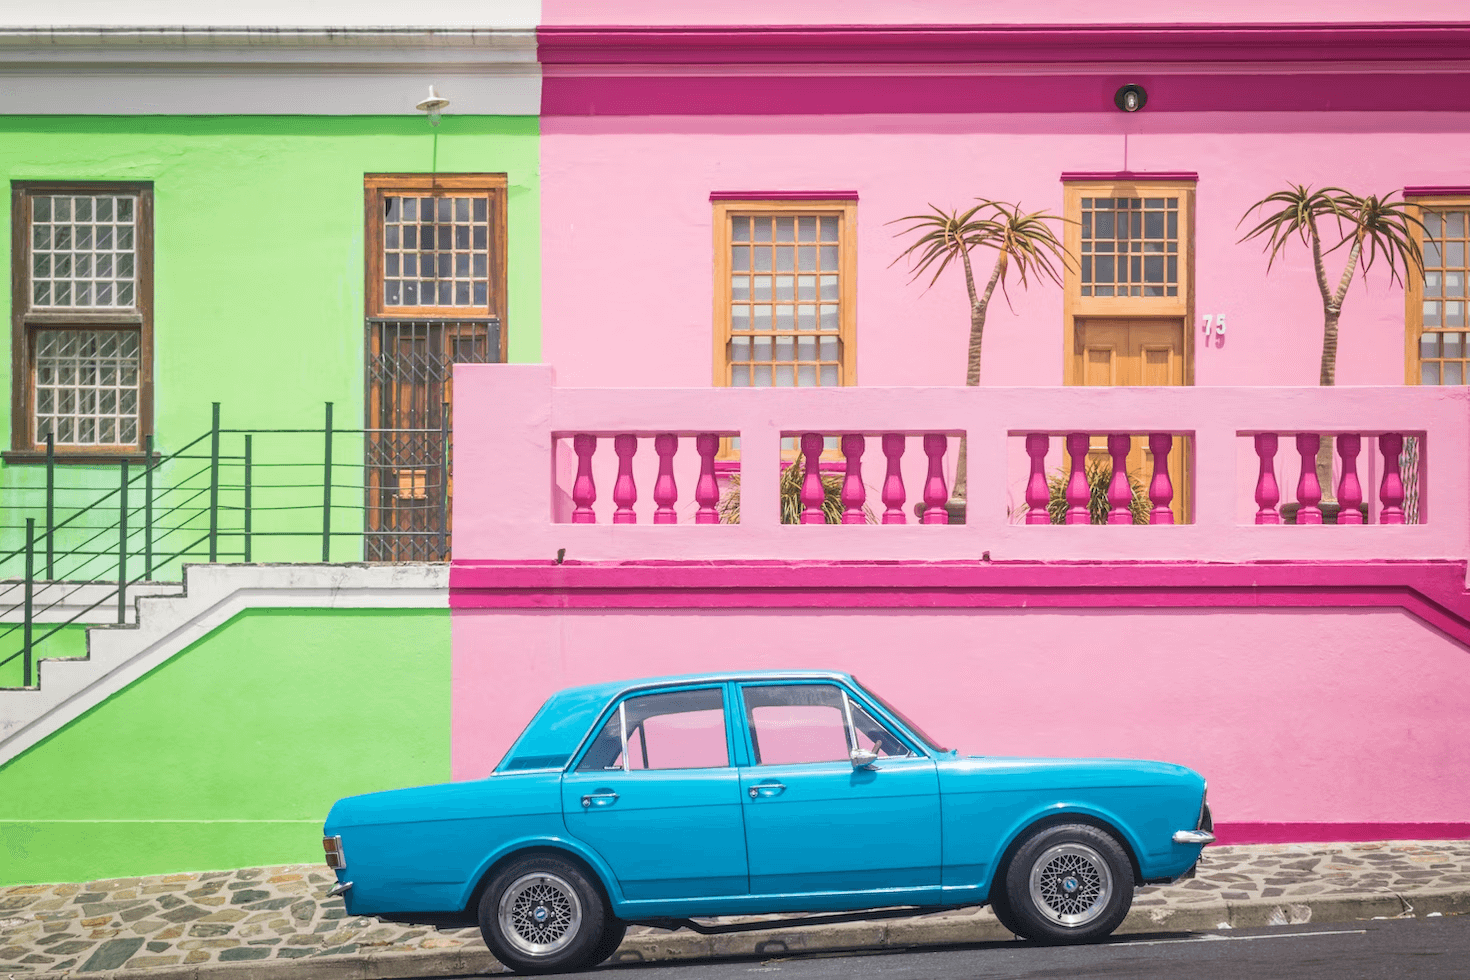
column 1130, row 98
column 434, row 105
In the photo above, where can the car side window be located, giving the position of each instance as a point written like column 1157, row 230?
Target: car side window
column 676, row 730
column 798, row 723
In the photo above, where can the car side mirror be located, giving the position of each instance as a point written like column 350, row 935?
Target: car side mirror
column 863, row 758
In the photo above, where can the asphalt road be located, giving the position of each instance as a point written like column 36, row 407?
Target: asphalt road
column 1437, row 948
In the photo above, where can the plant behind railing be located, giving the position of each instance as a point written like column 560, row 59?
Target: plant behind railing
column 216, row 499
column 1099, row 476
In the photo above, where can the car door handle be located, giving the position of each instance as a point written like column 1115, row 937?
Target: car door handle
column 604, row 797
column 767, row 789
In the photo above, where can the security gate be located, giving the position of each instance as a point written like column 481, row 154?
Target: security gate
column 408, row 450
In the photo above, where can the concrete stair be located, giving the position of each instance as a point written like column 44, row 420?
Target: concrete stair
column 164, row 625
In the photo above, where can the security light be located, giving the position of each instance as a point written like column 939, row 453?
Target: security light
column 434, row 105
column 1130, row 98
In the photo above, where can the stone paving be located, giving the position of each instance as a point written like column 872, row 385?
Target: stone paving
column 283, row 912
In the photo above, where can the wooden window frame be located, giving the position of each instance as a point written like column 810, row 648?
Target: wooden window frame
column 1076, row 306
column 1414, row 287
column 26, row 323
column 378, row 186
column 843, row 209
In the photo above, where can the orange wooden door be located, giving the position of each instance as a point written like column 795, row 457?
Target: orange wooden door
column 1136, row 352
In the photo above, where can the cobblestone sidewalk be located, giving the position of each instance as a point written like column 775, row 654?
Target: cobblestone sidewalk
column 282, row 913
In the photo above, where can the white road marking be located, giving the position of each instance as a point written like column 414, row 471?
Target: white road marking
column 1217, row 939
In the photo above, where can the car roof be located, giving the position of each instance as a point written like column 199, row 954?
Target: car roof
column 558, row 728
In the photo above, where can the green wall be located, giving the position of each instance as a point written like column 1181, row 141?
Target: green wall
column 258, row 262
column 230, row 754
column 69, row 641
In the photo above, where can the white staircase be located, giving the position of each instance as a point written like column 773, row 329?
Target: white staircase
column 164, row 625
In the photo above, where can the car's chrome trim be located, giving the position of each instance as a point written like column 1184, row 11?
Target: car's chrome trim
column 1193, row 837
column 339, row 889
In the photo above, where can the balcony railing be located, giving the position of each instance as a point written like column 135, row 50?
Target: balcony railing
column 639, row 474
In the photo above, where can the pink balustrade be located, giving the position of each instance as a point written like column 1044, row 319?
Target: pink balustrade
column 689, row 450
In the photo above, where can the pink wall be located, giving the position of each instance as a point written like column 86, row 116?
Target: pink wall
column 649, row 322
column 1294, row 717
column 573, row 12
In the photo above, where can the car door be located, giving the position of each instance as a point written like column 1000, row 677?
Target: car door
column 813, row 822
column 656, row 795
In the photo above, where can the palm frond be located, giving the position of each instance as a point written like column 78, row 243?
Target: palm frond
column 1300, row 208
column 1386, row 227
column 945, row 236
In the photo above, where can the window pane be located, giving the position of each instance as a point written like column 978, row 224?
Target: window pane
column 86, row 385
column 1452, row 375
column 444, row 241
column 1429, row 345
column 797, row 723
column 1452, row 344
column 82, row 253
column 1429, row 373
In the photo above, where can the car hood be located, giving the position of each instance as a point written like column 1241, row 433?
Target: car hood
column 1074, row 772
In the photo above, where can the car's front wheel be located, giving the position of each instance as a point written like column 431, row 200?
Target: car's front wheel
column 1070, row 883
column 540, row 914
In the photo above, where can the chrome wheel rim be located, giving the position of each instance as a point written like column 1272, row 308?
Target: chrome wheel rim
column 540, row 914
column 1071, row 884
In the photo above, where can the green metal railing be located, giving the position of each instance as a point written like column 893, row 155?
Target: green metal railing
column 229, row 495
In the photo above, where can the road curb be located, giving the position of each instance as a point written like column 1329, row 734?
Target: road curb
column 936, row 930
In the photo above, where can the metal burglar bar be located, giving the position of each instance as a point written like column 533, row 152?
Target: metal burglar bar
column 407, row 445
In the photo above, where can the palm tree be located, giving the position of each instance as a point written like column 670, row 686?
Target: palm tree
column 1023, row 242
column 1370, row 226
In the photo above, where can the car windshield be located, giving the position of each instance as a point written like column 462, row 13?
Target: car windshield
column 907, row 721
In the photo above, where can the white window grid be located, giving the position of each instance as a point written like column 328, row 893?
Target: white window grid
column 785, row 301
column 87, row 387
column 1130, row 246
column 436, row 250
column 1445, row 335
column 84, row 251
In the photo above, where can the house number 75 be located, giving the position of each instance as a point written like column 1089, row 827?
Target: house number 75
column 1215, row 328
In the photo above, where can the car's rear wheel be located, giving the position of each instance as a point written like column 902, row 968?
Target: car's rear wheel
column 540, row 914
column 1070, row 883
column 612, row 938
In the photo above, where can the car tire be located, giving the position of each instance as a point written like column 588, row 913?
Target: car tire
column 541, row 914
column 1000, row 904
column 612, row 937
column 1069, row 883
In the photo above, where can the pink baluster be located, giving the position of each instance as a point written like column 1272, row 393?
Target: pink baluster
column 707, row 489
column 1078, row 491
column 893, row 492
column 1161, row 488
column 665, row 490
column 1120, row 491
column 625, row 491
column 1308, row 490
column 1391, row 491
column 1349, row 491
column 812, row 491
column 854, row 494
column 1267, row 492
column 584, row 490
column 936, row 493
column 1038, row 494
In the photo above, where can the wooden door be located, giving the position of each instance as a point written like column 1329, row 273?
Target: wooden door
column 1117, row 351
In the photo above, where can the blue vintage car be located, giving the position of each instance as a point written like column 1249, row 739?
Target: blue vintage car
column 656, row 800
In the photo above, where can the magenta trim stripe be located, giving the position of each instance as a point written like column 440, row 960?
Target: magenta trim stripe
column 1437, row 191
column 1313, row 833
column 1017, row 44
column 1179, row 175
column 802, row 94
column 783, row 195
column 1433, row 591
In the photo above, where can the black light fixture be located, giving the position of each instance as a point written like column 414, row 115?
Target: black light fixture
column 1130, row 98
